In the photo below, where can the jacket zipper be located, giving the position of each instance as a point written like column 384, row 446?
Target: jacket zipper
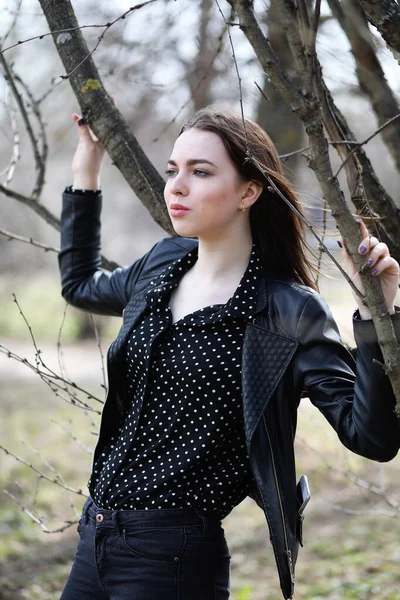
column 288, row 552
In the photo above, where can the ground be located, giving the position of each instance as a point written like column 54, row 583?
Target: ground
column 351, row 533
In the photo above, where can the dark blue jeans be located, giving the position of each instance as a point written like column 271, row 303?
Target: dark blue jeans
column 161, row 554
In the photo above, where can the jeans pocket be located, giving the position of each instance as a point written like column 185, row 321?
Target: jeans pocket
column 158, row 544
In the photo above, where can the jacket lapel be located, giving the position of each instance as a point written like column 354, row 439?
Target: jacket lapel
column 131, row 315
column 266, row 356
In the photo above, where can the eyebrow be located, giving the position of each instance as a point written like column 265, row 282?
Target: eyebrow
column 193, row 161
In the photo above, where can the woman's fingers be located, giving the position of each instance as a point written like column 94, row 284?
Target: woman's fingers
column 377, row 251
column 387, row 265
column 83, row 129
column 379, row 263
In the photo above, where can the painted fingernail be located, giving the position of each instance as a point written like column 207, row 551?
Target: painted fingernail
column 369, row 262
column 339, row 244
column 374, row 271
column 363, row 249
column 81, row 122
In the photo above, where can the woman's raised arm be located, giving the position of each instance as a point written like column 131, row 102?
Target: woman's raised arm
column 84, row 283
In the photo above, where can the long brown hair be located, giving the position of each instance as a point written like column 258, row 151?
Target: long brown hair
column 277, row 231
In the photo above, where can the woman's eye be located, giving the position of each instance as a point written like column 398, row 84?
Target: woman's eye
column 200, row 173
column 170, row 172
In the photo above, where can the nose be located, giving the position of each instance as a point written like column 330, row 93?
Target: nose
column 177, row 185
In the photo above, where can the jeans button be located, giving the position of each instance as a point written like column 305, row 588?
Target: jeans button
column 99, row 518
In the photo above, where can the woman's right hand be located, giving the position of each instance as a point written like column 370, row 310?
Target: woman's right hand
column 86, row 164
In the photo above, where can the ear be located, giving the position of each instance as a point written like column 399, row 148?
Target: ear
column 252, row 192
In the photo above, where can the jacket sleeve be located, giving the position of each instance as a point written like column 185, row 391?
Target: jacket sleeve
column 84, row 283
column 354, row 396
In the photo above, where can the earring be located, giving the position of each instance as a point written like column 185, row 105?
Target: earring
column 243, row 208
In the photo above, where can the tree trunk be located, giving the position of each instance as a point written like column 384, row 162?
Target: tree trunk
column 275, row 115
column 101, row 114
column 385, row 16
column 307, row 106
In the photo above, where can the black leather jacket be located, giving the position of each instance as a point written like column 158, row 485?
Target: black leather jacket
column 291, row 347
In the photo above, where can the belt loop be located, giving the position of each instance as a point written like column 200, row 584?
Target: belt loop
column 115, row 520
column 85, row 510
column 203, row 519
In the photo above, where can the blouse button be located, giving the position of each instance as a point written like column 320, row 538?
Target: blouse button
column 99, row 518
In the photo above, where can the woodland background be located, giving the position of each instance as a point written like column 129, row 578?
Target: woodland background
column 162, row 62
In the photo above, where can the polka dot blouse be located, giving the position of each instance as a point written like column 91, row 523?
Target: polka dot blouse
column 182, row 442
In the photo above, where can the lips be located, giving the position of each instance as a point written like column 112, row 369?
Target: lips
column 178, row 207
column 178, row 210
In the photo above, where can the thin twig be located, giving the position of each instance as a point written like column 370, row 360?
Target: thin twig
column 275, row 189
column 93, row 424
column 37, row 190
column 101, row 36
column 59, row 350
column 237, row 72
column 51, row 468
column 359, row 144
column 315, row 25
column 366, row 485
column 54, row 382
column 39, row 162
column 199, row 82
column 13, row 23
column 350, row 511
column 289, row 154
column 321, row 249
column 104, row 26
column 263, row 94
column 38, row 353
column 10, row 168
column 20, row 238
column 41, row 473
column 37, row 519
column 53, row 86
column 73, row 436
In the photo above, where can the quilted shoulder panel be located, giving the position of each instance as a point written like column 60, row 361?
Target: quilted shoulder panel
column 266, row 356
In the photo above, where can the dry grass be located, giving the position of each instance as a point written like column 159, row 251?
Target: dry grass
column 351, row 547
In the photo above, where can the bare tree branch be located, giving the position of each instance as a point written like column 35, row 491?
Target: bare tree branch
column 37, row 519
column 308, row 110
column 197, row 86
column 362, row 483
column 13, row 23
column 236, row 68
column 100, row 112
column 101, row 36
column 20, row 238
column 104, row 26
column 48, row 216
column 40, row 161
column 35, row 106
column 57, row 383
column 367, row 194
column 56, row 479
column 9, row 170
column 73, row 436
column 385, row 16
column 369, row 71
column 367, row 139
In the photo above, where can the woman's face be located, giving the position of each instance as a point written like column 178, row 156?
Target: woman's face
column 203, row 180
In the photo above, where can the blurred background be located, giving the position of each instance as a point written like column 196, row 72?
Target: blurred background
column 162, row 63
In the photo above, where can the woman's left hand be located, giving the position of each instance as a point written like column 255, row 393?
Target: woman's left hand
column 381, row 265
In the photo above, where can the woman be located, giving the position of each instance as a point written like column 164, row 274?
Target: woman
column 220, row 338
